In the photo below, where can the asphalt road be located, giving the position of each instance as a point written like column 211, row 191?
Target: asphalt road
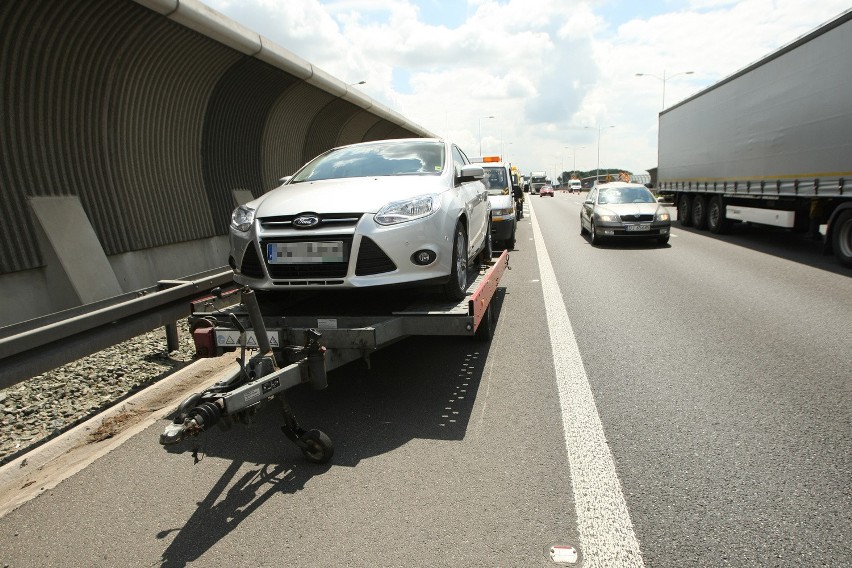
column 685, row 405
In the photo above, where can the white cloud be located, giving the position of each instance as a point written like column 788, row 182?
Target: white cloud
column 550, row 71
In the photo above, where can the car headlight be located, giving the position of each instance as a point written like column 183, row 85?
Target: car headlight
column 242, row 218
column 407, row 210
column 608, row 218
column 663, row 216
column 501, row 212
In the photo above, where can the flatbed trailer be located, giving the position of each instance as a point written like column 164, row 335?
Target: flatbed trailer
column 302, row 342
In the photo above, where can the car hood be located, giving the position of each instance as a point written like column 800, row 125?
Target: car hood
column 625, row 209
column 350, row 195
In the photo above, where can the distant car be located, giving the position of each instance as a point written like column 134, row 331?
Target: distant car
column 620, row 210
column 410, row 212
column 574, row 185
column 546, row 190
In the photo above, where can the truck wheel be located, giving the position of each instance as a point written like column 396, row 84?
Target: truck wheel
column 716, row 221
column 456, row 286
column 684, row 210
column 510, row 242
column 699, row 212
column 841, row 238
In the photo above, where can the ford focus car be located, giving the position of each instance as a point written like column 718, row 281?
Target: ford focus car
column 406, row 212
column 621, row 210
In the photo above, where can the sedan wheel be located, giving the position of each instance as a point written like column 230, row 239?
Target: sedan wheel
column 596, row 240
column 456, row 287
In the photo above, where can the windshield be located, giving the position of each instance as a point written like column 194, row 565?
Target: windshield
column 617, row 195
column 496, row 182
column 392, row 158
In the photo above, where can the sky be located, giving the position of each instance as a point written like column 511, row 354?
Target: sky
column 546, row 84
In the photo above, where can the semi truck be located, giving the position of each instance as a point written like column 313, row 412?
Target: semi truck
column 769, row 145
column 537, row 180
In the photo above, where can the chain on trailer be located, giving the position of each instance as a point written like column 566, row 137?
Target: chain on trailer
column 308, row 353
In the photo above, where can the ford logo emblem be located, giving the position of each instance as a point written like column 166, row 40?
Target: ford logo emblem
column 306, row 221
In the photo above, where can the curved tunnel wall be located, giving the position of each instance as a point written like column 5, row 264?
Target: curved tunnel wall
column 151, row 113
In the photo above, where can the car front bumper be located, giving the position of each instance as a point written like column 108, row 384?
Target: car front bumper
column 502, row 228
column 621, row 231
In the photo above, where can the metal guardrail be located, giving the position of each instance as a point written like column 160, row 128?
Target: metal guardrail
column 35, row 346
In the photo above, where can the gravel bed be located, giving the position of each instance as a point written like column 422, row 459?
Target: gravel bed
column 44, row 406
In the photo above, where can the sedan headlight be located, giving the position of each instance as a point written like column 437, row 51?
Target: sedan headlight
column 408, row 210
column 242, row 218
column 608, row 218
column 663, row 216
column 502, row 212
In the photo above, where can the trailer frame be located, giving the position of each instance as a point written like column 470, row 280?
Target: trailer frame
column 295, row 349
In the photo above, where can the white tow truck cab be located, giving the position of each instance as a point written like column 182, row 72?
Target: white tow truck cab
column 504, row 215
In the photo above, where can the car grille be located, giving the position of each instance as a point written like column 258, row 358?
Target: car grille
column 251, row 266
column 323, row 270
column 372, row 259
column 336, row 220
column 631, row 218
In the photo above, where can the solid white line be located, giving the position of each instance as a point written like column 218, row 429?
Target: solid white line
column 606, row 533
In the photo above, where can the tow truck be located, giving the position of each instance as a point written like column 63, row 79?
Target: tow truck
column 302, row 341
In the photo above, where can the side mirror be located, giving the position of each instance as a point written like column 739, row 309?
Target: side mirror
column 471, row 173
column 588, row 202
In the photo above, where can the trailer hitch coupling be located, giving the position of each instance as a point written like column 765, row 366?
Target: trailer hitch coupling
column 195, row 421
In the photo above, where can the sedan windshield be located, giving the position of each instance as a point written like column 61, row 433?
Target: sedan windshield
column 617, row 195
column 378, row 159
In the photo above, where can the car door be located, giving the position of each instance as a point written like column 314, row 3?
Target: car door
column 475, row 196
column 588, row 209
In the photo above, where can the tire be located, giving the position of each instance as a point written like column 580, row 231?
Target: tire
column 456, row 286
column 699, row 212
column 684, row 210
column 485, row 331
column 841, row 238
column 596, row 240
column 320, row 449
column 488, row 250
column 510, row 242
column 716, row 221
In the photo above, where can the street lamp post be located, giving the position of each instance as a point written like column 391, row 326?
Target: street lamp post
column 664, row 79
column 575, row 157
column 598, row 169
column 480, row 134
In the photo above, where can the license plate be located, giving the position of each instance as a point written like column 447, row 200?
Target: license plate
column 638, row 227
column 305, row 253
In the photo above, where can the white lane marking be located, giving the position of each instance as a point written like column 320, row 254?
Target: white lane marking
column 606, row 533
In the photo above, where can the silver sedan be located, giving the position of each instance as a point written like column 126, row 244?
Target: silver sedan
column 621, row 210
column 410, row 212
